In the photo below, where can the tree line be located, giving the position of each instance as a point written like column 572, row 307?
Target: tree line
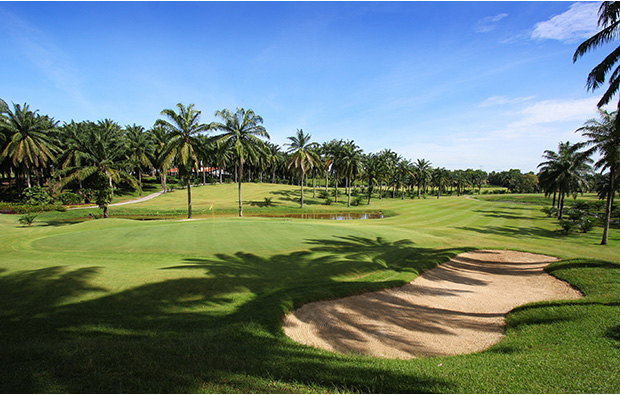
column 37, row 151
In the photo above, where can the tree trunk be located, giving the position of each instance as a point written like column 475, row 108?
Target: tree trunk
column 313, row 184
column 561, row 204
column 189, row 198
column 301, row 182
column 240, row 173
column 610, row 201
column 105, row 211
column 348, row 192
column 140, row 181
column 553, row 203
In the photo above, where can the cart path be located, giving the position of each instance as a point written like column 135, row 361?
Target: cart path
column 455, row 308
column 142, row 199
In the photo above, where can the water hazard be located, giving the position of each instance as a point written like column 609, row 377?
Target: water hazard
column 334, row 216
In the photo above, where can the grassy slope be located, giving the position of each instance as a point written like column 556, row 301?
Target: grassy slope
column 173, row 306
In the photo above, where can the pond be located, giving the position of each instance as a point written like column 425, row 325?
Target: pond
column 334, row 216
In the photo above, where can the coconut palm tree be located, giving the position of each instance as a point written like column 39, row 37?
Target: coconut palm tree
column 439, row 179
column 372, row 170
column 160, row 139
column 31, row 145
column 140, row 148
column 185, row 144
column 349, row 162
column 568, row 169
column 102, row 156
column 609, row 23
column 423, row 174
column 242, row 131
column 604, row 137
column 303, row 157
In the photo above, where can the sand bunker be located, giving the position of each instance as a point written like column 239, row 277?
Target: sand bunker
column 456, row 308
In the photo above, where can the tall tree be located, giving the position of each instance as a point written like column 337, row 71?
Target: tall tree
column 604, row 136
column 185, row 144
column 31, row 145
column 423, row 174
column 140, row 148
column 567, row 169
column 372, row 170
column 102, row 155
column 609, row 24
column 160, row 138
column 349, row 163
column 303, row 157
column 242, row 131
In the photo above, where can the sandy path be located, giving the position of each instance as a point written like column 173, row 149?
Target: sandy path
column 456, row 308
column 142, row 199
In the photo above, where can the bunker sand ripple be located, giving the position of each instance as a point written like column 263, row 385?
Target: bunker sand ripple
column 456, row 308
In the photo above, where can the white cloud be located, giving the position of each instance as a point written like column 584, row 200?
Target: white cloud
column 579, row 22
column 549, row 111
column 503, row 100
column 488, row 23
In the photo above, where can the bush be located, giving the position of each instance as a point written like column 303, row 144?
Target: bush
column 36, row 195
column 567, row 226
column 16, row 208
column 268, row 201
column 88, row 195
column 549, row 211
column 70, row 198
column 27, row 219
column 357, row 201
column 577, row 219
column 328, row 201
column 323, row 194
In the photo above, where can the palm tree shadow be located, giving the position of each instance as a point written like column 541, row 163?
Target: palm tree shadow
column 183, row 334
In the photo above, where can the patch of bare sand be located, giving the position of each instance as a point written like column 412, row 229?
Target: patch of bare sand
column 456, row 308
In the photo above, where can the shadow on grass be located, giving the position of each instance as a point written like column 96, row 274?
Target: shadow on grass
column 218, row 332
column 513, row 231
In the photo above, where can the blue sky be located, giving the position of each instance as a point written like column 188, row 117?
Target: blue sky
column 487, row 85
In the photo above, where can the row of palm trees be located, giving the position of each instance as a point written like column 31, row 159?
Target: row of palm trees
column 36, row 150
column 569, row 170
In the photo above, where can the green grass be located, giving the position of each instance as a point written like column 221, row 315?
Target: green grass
column 120, row 305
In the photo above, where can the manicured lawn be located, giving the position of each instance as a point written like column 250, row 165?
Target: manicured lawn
column 120, row 305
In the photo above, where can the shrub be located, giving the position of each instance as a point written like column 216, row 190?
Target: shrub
column 268, row 201
column 323, row 194
column 567, row 226
column 36, row 195
column 549, row 211
column 70, row 198
column 357, row 201
column 328, row 201
column 27, row 219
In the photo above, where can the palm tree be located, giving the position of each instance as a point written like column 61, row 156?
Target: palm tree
column 140, row 149
column 439, row 179
column 184, row 146
column 30, row 145
column 423, row 174
column 242, row 132
column 350, row 164
column 303, row 157
column 160, row 138
column 404, row 172
column 372, row 170
column 609, row 22
column 568, row 169
column 101, row 155
column 604, row 137
column 387, row 159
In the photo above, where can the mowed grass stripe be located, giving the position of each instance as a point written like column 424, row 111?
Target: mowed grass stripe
column 195, row 306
